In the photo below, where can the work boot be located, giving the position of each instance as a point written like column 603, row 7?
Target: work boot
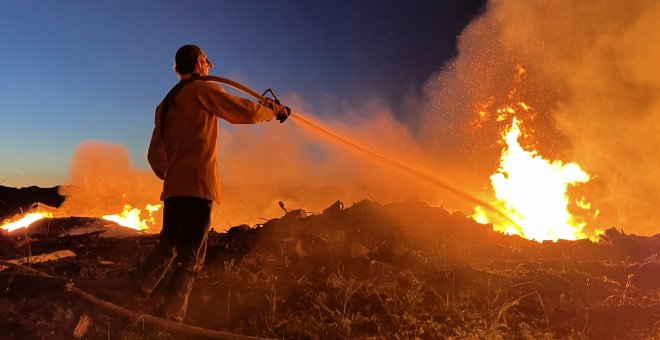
column 178, row 289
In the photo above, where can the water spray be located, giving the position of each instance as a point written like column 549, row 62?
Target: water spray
column 424, row 175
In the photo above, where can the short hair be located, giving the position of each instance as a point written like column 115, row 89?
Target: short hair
column 186, row 58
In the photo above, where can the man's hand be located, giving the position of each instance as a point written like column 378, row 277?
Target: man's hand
column 281, row 112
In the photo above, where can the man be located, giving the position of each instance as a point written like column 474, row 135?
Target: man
column 183, row 153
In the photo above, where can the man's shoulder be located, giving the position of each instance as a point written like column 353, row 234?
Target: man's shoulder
column 205, row 85
column 195, row 89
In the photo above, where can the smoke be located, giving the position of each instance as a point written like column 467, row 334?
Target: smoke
column 102, row 180
column 590, row 78
column 263, row 164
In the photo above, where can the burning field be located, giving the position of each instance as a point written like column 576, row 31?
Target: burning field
column 400, row 270
column 517, row 200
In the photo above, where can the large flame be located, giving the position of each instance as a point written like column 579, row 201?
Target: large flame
column 531, row 191
column 24, row 221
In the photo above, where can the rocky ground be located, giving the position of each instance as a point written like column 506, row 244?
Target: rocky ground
column 401, row 270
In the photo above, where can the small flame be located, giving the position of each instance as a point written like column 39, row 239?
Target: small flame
column 583, row 204
column 524, row 106
column 482, row 112
column 25, row 221
column 131, row 217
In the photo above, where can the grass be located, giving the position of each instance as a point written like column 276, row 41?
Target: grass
column 455, row 287
column 338, row 303
column 421, row 297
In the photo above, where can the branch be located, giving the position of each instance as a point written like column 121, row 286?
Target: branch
column 150, row 320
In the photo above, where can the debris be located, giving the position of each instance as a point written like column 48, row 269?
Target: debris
column 54, row 256
column 82, row 326
column 294, row 214
column 289, row 277
column 379, row 268
column 238, row 230
column 299, row 249
column 55, row 227
column 281, row 204
column 334, row 209
column 358, row 249
column 16, row 200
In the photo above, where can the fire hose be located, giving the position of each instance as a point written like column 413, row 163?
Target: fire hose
column 167, row 101
column 262, row 99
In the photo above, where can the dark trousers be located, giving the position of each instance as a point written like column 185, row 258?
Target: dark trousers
column 180, row 252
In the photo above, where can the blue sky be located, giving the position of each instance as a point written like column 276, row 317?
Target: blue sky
column 78, row 70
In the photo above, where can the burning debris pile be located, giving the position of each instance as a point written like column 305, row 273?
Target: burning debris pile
column 21, row 207
column 17, row 200
column 399, row 270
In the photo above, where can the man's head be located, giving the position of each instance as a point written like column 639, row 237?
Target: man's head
column 191, row 59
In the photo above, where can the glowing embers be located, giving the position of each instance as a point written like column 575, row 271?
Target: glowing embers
column 24, row 221
column 531, row 191
column 131, row 217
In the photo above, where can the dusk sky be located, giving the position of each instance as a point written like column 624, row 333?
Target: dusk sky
column 80, row 70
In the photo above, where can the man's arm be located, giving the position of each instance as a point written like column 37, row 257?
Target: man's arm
column 234, row 109
column 156, row 155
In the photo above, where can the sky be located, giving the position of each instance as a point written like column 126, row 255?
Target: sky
column 95, row 70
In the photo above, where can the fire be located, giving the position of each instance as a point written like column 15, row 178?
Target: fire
column 25, row 221
column 131, row 217
column 531, row 191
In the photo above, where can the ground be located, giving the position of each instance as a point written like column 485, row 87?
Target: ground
column 400, row 270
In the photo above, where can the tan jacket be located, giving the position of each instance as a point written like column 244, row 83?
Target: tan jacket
column 187, row 159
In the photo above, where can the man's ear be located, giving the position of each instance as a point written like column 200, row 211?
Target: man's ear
column 200, row 62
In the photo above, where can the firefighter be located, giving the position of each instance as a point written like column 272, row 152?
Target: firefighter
column 183, row 153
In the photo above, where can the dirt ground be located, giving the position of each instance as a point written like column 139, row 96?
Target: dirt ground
column 397, row 271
